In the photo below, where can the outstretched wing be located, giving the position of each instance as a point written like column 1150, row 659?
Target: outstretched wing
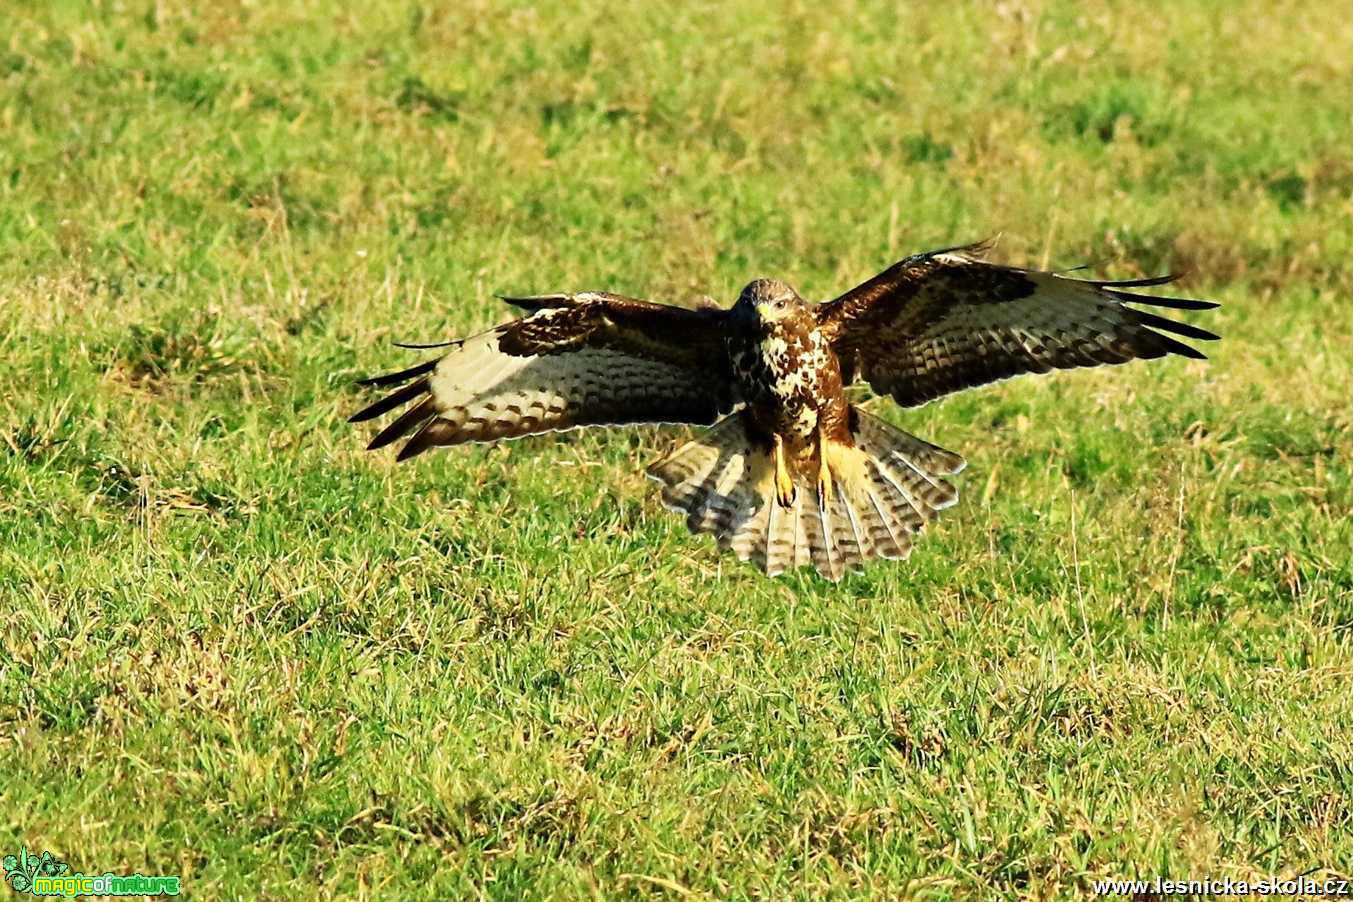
column 941, row 322
column 575, row 360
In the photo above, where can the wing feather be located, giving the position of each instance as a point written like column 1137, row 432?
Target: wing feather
column 401, row 376
column 945, row 321
column 575, row 360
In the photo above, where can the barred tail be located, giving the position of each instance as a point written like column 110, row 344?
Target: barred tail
column 722, row 482
column 886, row 487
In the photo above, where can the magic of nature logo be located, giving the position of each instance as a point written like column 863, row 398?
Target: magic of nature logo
column 44, row 875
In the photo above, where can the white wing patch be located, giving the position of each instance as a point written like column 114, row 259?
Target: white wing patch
column 486, row 394
column 480, row 393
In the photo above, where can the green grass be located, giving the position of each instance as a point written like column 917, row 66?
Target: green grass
column 236, row 647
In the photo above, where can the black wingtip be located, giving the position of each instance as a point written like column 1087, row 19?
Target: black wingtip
column 401, row 376
column 363, row 415
column 519, row 303
column 1192, row 353
column 1145, row 282
column 1116, row 288
column 390, row 401
column 1187, row 330
column 1178, row 347
column 407, row 421
column 434, row 432
column 1154, row 301
column 412, row 448
column 427, row 347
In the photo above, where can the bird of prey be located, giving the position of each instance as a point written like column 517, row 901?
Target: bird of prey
column 791, row 472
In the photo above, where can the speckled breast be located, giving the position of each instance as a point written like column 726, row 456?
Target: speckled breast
column 781, row 374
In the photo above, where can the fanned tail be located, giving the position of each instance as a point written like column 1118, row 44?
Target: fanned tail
column 887, row 486
column 722, row 481
column 893, row 483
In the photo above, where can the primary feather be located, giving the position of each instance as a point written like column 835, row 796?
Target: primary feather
column 946, row 321
column 588, row 360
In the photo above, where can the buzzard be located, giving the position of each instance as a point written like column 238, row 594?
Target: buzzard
column 791, row 472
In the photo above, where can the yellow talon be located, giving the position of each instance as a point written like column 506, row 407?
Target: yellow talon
column 784, row 483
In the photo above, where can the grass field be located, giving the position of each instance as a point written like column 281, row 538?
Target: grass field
column 236, row 647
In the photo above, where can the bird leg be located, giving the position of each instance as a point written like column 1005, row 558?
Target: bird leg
column 824, row 471
column 784, row 483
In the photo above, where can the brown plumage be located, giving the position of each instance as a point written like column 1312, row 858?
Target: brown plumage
column 793, row 474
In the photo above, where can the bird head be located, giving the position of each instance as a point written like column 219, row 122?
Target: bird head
column 769, row 300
